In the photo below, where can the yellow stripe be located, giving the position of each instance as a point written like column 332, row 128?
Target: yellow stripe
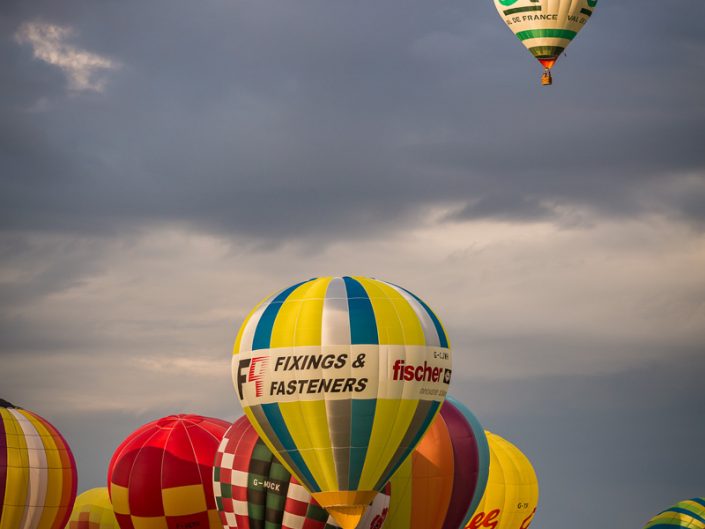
column 397, row 323
column 238, row 339
column 385, row 440
column 400, row 501
column 673, row 517
column 17, row 473
column 307, row 423
column 309, row 324
column 299, row 320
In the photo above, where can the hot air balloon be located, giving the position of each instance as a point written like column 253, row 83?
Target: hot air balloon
column 440, row 485
column 93, row 510
column 160, row 476
column 37, row 472
column 512, row 491
column 688, row 514
column 341, row 377
column 253, row 489
column 546, row 27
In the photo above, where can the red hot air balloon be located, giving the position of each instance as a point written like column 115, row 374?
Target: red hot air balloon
column 160, row 476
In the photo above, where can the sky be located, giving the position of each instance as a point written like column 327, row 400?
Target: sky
column 165, row 165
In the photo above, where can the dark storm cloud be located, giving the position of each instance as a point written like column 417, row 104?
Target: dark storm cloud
column 273, row 120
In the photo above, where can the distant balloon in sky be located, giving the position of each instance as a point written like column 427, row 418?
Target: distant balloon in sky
column 512, row 491
column 442, row 482
column 688, row 514
column 93, row 510
column 37, row 472
column 253, row 489
column 546, row 27
column 341, row 377
column 160, row 476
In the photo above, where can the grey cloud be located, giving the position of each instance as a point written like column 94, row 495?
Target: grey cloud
column 327, row 120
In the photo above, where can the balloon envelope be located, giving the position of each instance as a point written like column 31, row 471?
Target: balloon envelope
column 512, row 491
column 253, row 490
column 545, row 27
column 439, row 486
column 37, row 472
column 341, row 377
column 93, row 510
column 160, row 476
column 688, row 514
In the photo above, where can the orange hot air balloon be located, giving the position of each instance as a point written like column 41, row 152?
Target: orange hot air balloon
column 440, row 485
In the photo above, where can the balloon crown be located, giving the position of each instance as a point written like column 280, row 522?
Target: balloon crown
column 172, row 421
column 5, row 404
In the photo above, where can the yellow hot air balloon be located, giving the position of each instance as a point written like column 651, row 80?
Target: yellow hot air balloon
column 93, row 510
column 37, row 472
column 341, row 377
column 512, row 491
column 546, row 27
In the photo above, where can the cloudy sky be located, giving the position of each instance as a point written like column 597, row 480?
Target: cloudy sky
column 164, row 165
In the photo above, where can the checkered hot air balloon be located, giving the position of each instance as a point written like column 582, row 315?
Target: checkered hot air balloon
column 160, row 476
column 253, row 490
column 512, row 492
column 440, row 485
column 341, row 377
column 93, row 510
column 37, row 472
column 687, row 514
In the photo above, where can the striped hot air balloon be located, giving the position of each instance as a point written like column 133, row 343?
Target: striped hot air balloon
column 93, row 510
column 688, row 514
column 253, row 490
column 341, row 377
column 440, row 485
column 546, row 27
column 37, row 472
column 512, row 491
column 160, row 476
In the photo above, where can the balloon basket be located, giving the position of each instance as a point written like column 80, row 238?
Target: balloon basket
column 546, row 78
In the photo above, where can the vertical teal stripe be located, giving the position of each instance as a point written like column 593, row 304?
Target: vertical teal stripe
column 276, row 421
column 263, row 332
column 442, row 338
column 415, row 441
column 363, row 325
column 362, row 418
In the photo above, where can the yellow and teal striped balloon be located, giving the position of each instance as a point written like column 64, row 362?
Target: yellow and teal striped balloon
column 546, row 27
column 688, row 514
column 341, row 377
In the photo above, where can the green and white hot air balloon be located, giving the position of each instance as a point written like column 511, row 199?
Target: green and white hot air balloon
column 546, row 27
